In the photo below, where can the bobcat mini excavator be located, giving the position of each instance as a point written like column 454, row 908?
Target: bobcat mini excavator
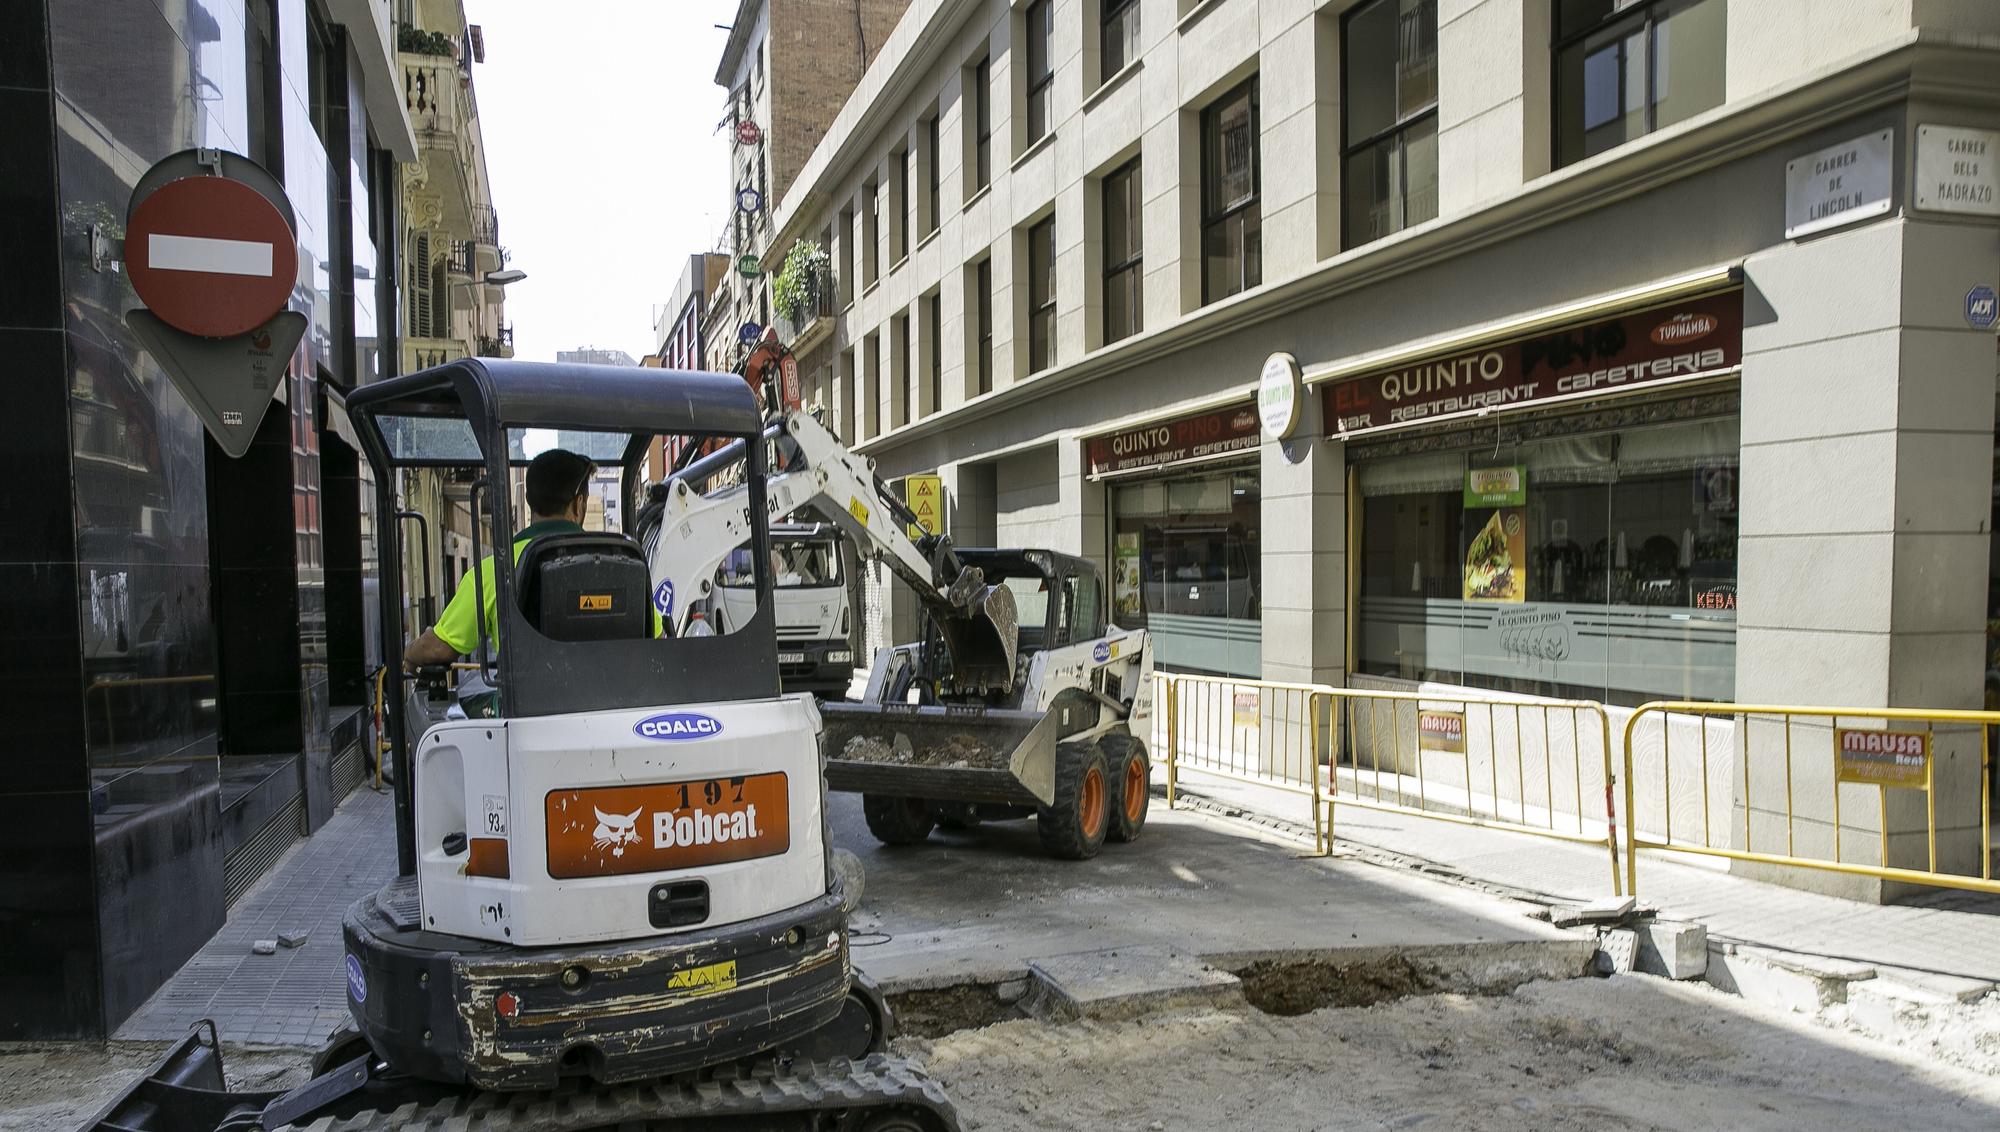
column 615, row 906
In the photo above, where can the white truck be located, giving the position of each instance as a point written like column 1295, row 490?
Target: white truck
column 813, row 568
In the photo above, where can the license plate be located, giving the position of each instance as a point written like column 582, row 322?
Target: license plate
column 617, row 830
column 791, row 658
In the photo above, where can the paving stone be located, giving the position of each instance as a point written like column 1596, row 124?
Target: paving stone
column 1125, row 982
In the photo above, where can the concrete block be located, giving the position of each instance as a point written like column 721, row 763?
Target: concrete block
column 1673, row 949
column 1124, row 983
column 264, row 947
column 1617, row 952
column 292, row 939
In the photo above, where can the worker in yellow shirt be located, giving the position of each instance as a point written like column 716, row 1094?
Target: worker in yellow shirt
column 558, row 482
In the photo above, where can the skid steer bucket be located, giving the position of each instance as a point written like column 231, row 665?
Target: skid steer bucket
column 946, row 754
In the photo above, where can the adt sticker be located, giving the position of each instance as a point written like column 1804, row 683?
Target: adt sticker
column 357, row 983
column 1102, row 652
column 663, row 598
column 1982, row 307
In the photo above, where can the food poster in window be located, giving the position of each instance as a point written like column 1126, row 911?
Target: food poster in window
column 1496, row 560
column 1126, row 596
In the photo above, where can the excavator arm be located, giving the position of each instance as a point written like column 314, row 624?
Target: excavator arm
column 699, row 522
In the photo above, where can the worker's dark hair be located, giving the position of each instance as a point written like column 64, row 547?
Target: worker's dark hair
column 555, row 478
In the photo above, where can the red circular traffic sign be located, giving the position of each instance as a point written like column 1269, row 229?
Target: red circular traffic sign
column 748, row 133
column 211, row 256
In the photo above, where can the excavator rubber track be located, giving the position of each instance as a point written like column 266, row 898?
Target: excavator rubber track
column 880, row 1093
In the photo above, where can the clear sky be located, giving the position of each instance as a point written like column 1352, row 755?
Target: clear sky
column 608, row 172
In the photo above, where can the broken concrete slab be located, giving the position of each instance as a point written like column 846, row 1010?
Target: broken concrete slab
column 292, row 939
column 1785, row 979
column 1935, row 986
column 263, row 947
column 1673, row 949
column 1125, row 982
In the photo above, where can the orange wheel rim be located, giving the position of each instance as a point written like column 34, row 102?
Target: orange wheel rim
column 1135, row 788
column 1090, row 801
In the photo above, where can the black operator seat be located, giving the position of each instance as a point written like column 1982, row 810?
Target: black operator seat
column 586, row 586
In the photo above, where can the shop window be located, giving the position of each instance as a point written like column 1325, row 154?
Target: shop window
column 1596, row 566
column 1389, row 80
column 1123, row 245
column 1232, row 248
column 1038, row 29
column 1120, row 35
column 1186, row 564
column 1042, row 296
column 1625, row 69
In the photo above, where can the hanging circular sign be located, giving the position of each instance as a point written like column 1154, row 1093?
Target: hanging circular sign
column 211, row 256
column 749, row 266
column 749, row 200
column 1278, row 396
column 748, row 133
column 748, row 333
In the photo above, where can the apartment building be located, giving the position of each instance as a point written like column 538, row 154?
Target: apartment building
column 1276, row 307
column 788, row 67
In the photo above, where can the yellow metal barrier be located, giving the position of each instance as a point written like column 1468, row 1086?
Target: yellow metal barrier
column 1256, row 731
column 1805, row 759
column 1526, row 766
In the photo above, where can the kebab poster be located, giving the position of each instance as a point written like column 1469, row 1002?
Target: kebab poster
column 1496, row 499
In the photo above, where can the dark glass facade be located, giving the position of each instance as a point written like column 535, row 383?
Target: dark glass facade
column 188, row 651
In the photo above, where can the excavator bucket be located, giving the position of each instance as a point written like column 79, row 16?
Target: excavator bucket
column 947, row 754
column 980, row 628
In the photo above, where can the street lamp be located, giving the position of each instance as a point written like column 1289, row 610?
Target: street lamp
column 502, row 278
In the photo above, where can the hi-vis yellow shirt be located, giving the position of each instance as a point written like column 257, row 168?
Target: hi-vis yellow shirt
column 455, row 625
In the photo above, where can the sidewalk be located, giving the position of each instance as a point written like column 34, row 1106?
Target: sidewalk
column 1954, row 933
column 299, row 995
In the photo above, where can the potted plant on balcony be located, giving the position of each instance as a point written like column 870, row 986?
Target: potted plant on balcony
column 796, row 290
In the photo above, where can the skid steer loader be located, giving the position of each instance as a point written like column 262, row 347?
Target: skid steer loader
column 1020, row 701
column 615, row 906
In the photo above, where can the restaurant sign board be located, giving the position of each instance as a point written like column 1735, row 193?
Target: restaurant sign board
column 1182, row 440
column 1687, row 338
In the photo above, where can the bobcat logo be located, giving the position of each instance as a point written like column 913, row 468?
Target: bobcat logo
column 616, row 831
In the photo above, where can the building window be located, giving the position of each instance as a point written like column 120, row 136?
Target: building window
column 871, row 234
column 843, row 280
column 1042, row 296
column 1121, row 35
column 1615, row 550
column 982, row 122
column 934, row 335
column 1122, row 252
column 1039, row 28
column 1625, row 69
column 1390, row 80
column 872, row 391
column 902, row 205
column 933, row 171
column 1232, row 248
column 982, row 340
column 899, row 407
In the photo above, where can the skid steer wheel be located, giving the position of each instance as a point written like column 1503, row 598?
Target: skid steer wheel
column 1074, row 827
column 895, row 820
column 1132, row 776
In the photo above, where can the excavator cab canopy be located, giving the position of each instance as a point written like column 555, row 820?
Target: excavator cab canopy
column 476, row 414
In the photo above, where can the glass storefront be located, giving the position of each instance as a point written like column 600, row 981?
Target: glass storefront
column 1186, row 563
column 1596, row 565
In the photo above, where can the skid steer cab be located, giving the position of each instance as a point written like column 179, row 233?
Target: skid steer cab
column 623, row 872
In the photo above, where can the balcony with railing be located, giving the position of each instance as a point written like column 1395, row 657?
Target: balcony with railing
column 812, row 322
column 500, row 345
column 423, row 353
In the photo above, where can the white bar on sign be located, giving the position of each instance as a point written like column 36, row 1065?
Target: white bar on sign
column 202, row 253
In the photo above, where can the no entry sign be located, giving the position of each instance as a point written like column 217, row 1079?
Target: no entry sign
column 210, row 256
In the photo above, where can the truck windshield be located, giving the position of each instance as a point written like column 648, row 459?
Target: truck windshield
column 795, row 565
